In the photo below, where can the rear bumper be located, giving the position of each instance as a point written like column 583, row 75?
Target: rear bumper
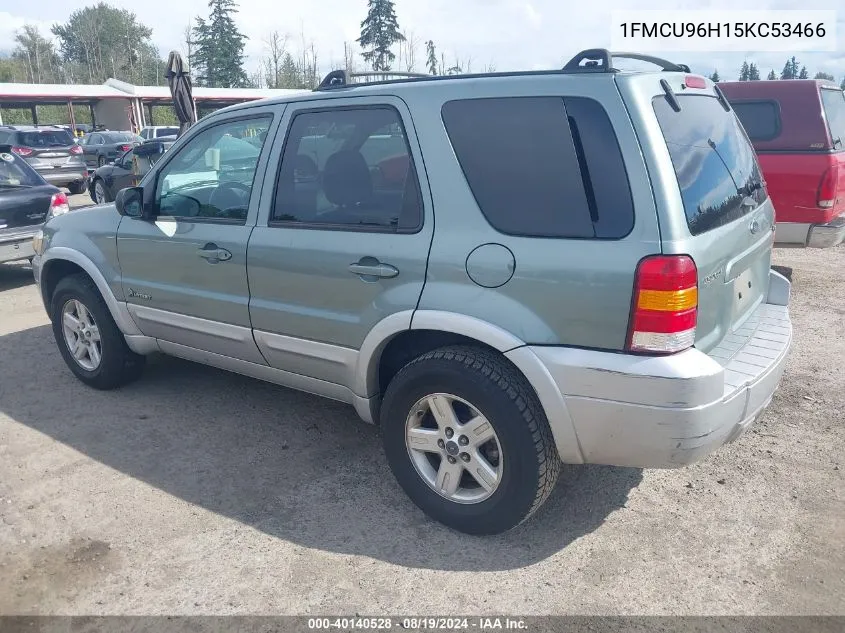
column 17, row 245
column 666, row 412
column 64, row 176
column 811, row 235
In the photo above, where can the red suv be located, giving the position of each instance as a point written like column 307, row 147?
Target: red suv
column 797, row 128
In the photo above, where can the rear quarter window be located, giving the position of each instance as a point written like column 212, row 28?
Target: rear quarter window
column 714, row 162
column 542, row 166
column 761, row 119
column 833, row 102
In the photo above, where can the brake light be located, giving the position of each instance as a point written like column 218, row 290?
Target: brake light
column 125, row 148
column 22, row 151
column 665, row 305
column 58, row 204
column 691, row 81
column 828, row 187
column 75, row 149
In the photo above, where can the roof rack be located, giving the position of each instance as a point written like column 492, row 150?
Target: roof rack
column 600, row 60
column 342, row 78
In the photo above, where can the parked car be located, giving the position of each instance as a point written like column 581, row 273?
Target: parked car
column 107, row 180
column 798, row 130
column 157, row 131
column 25, row 202
column 101, row 147
column 596, row 287
column 52, row 153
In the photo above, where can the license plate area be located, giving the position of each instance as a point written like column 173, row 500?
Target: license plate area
column 747, row 293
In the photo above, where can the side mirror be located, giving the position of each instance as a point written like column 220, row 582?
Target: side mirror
column 130, row 202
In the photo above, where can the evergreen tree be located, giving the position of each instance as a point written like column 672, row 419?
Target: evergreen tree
column 821, row 75
column 431, row 62
column 291, row 77
column 715, row 77
column 743, row 72
column 772, row 75
column 219, row 54
column 803, row 74
column 790, row 69
column 753, row 73
column 380, row 31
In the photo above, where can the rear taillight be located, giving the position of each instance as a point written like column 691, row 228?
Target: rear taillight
column 75, row 149
column 665, row 305
column 828, row 187
column 22, row 151
column 693, row 81
column 125, row 148
column 58, row 204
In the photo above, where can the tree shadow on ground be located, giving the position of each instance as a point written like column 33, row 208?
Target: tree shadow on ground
column 295, row 466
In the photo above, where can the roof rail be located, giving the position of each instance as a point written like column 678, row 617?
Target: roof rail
column 600, row 60
column 342, row 78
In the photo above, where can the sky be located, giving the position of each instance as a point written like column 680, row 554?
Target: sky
column 508, row 34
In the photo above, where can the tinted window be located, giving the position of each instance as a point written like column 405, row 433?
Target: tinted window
column 167, row 131
column 348, row 167
column 833, row 102
column 212, row 175
column 536, row 171
column 761, row 119
column 117, row 137
column 15, row 172
column 46, row 138
column 713, row 160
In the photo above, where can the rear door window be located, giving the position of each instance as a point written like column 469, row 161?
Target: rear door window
column 542, row 166
column 761, row 119
column 833, row 102
column 714, row 162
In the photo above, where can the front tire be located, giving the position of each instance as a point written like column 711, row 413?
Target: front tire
column 89, row 340
column 468, row 441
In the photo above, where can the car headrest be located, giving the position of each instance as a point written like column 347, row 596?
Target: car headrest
column 346, row 179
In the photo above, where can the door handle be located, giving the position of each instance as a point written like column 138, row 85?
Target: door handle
column 213, row 253
column 373, row 270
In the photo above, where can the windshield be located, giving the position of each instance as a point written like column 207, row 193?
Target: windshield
column 833, row 102
column 15, row 172
column 51, row 138
column 714, row 162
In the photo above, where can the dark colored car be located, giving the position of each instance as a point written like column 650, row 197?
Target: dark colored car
column 51, row 151
column 107, row 180
column 797, row 128
column 25, row 201
column 101, row 147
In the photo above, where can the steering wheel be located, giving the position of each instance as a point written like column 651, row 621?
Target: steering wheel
column 225, row 192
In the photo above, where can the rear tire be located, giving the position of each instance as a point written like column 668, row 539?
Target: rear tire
column 101, row 194
column 110, row 363
column 477, row 384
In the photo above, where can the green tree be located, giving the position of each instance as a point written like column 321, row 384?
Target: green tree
column 803, row 74
column 771, row 76
column 753, row 72
column 790, row 69
column 290, row 75
column 102, row 41
column 743, row 72
column 715, row 77
column 431, row 62
column 379, row 32
column 821, row 75
column 38, row 56
column 219, row 47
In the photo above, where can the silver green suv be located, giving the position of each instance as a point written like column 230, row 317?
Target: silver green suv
column 503, row 271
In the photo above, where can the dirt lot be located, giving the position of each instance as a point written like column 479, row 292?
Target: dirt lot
column 196, row 491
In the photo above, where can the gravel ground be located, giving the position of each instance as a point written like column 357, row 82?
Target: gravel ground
column 194, row 491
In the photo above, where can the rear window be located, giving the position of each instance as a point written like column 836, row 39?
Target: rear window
column 540, row 166
column 714, row 162
column 833, row 102
column 16, row 172
column 46, row 138
column 117, row 137
column 761, row 119
column 166, row 131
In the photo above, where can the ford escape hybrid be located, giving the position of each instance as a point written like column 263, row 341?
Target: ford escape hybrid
column 503, row 271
